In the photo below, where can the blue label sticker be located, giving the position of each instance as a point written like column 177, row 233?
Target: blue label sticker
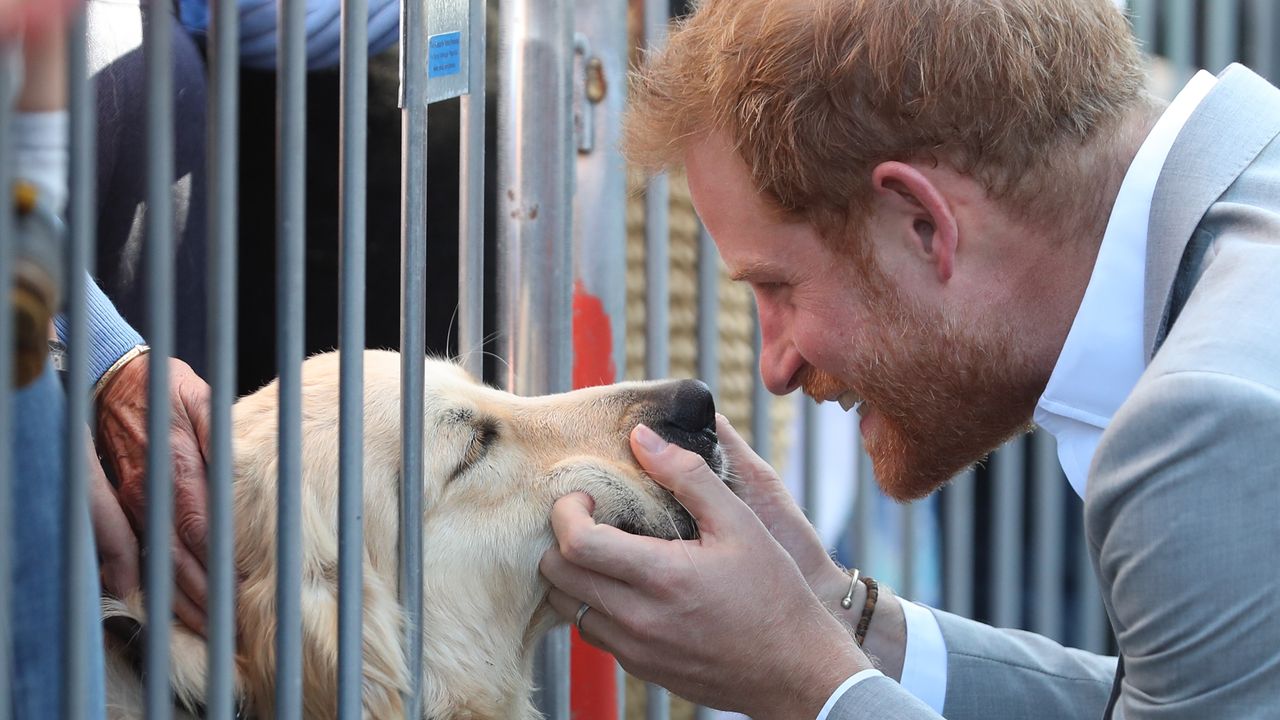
column 444, row 54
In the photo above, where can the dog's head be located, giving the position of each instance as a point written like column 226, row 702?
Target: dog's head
column 493, row 465
column 490, row 451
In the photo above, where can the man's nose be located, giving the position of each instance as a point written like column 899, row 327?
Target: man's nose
column 780, row 364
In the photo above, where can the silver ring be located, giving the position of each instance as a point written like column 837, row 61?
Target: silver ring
column 577, row 619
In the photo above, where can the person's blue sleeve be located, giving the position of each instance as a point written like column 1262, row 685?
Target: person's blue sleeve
column 194, row 16
column 110, row 337
column 259, row 31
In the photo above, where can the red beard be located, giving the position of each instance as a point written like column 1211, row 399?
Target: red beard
column 945, row 394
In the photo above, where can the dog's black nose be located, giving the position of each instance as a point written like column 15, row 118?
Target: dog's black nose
column 688, row 406
column 683, row 412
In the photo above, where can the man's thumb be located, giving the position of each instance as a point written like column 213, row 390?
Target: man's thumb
column 687, row 476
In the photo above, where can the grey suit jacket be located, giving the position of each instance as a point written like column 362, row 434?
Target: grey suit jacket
column 1182, row 512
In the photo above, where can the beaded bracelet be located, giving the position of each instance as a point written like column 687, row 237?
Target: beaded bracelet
column 868, row 608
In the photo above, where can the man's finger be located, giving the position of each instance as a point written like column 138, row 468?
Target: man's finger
column 597, row 627
column 601, row 591
column 117, row 545
column 196, row 400
column 190, row 576
column 746, row 464
column 602, row 548
column 187, row 612
column 687, row 476
column 190, row 497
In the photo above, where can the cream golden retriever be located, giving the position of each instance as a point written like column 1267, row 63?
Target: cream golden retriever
column 494, row 465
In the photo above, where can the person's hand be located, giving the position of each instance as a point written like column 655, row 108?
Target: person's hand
column 726, row 620
column 118, row 558
column 122, row 440
column 764, row 492
column 33, row 17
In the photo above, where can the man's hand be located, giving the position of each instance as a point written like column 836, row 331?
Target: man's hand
column 763, row 491
column 726, row 620
column 122, row 440
column 117, row 545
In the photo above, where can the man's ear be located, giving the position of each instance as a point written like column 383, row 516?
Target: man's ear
column 920, row 201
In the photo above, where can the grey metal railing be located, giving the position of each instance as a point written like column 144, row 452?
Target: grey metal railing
column 291, row 176
column 224, row 109
column 1029, row 505
column 413, row 348
column 535, row 274
column 471, row 200
column 81, row 226
column 353, row 160
column 158, row 252
column 657, row 292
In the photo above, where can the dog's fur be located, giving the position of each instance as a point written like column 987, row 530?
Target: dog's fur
column 494, row 465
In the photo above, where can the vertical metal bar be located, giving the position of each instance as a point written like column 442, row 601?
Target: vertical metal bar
column 599, row 245
column 158, row 571
column 471, row 202
column 621, row 680
column 657, row 704
column 1006, row 544
column 291, row 151
column 656, row 230
column 761, row 402
column 1179, row 25
column 7, row 347
column 1144, row 17
column 413, row 254
column 224, row 113
column 708, row 311
column 535, row 172
column 958, row 552
column 1262, row 34
column 809, row 448
column 352, row 159
column 907, row 578
column 1224, row 34
column 865, row 496
column 709, row 339
column 1048, row 532
column 81, row 228
column 657, row 292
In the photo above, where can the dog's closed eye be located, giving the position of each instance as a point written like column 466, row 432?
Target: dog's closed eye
column 484, row 434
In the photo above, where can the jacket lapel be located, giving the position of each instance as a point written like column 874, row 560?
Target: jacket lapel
column 1238, row 118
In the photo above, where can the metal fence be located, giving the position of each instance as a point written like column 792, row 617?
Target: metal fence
column 1009, row 550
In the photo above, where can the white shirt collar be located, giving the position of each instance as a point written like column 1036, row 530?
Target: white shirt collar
column 1102, row 357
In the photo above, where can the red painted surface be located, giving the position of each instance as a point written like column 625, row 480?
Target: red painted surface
column 592, row 340
column 593, row 693
column 593, row 690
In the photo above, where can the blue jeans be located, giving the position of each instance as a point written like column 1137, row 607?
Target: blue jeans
column 39, row 557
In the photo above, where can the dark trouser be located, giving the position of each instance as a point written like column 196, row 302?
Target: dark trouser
column 117, row 57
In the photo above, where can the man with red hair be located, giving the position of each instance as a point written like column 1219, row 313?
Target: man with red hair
column 960, row 216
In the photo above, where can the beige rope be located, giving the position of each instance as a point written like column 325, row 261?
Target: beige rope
column 736, row 351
